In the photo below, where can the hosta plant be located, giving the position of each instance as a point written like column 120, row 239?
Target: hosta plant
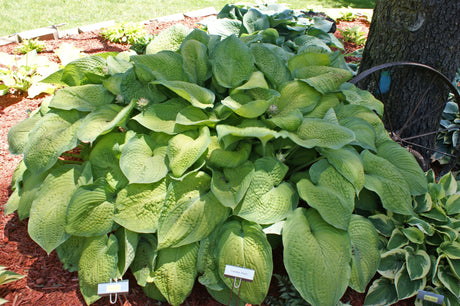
column 6, row 277
column 420, row 251
column 177, row 163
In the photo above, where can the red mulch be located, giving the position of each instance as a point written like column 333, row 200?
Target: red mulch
column 46, row 283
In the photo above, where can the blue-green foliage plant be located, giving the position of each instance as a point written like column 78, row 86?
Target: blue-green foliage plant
column 188, row 159
column 420, row 251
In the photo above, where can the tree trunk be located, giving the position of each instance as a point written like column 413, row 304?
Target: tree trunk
column 421, row 31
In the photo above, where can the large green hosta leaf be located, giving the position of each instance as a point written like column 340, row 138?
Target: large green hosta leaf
column 251, row 99
column 221, row 158
column 228, row 134
column 48, row 211
column 244, row 244
column 348, row 162
column 365, row 254
column 314, row 132
column 329, row 193
column 162, row 117
column 30, row 185
column 104, row 158
column 232, row 62
column 144, row 262
column 296, row 95
column 165, row 65
column 270, row 63
column 196, row 62
column 102, row 121
column 70, row 252
column 90, row 210
column 384, row 178
column 175, row 272
column 268, row 199
column 190, row 213
column 143, row 160
column 138, row 206
column 98, row 264
column 53, row 135
column 17, row 135
column 127, row 245
column 317, row 257
column 230, row 185
column 406, row 164
column 83, row 98
column 198, row 96
column 184, row 150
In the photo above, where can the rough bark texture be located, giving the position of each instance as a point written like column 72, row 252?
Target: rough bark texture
column 422, row 31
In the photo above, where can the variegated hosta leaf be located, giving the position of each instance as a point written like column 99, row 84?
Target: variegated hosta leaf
column 449, row 280
column 392, row 262
column 175, row 272
column 143, row 160
column 190, row 213
column 450, row 248
column 53, row 135
column 138, row 206
column 317, row 257
column 383, row 224
column 230, row 185
column 453, row 204
column 144, row 262
column 382, row 292
column 384, row 178
column 104, row 158
column 198, row 96
column 221, row 158
column 18, row 134
column 244, row 244
column 406, row 164
column 418, row 263
column 414, row 234
column 84, row 98
column 196, row 62
column 397, row 239
column 98, row 264
column 347, row 161
column 127, row 245
column 102, row 120
column 184, row 150
column 365, row 253
column 405, row 287
column 267, row 198
column 232, row 62
column 161, row 117
column 314, row 132
column 90, row 210
column 48, row 211
column 329, row 193
column 296, row 95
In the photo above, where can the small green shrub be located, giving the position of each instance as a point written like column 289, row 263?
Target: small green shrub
column 130, row 33
column 354, row 34
column 31, row 44
column 421, row 251
column 347, row 16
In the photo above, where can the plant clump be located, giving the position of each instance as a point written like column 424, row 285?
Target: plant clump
column 190, row 159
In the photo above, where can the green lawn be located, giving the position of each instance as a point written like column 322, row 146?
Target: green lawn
column 17, row 16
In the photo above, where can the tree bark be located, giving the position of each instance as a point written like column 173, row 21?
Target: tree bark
column 421, row 31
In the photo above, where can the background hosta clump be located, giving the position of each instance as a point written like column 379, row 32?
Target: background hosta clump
column 187, row 156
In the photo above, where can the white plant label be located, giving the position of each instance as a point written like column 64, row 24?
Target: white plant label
column 239, row 272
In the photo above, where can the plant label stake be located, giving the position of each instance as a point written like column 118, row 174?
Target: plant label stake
column 240, row 273
column 430, row 297
column 113, row 289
